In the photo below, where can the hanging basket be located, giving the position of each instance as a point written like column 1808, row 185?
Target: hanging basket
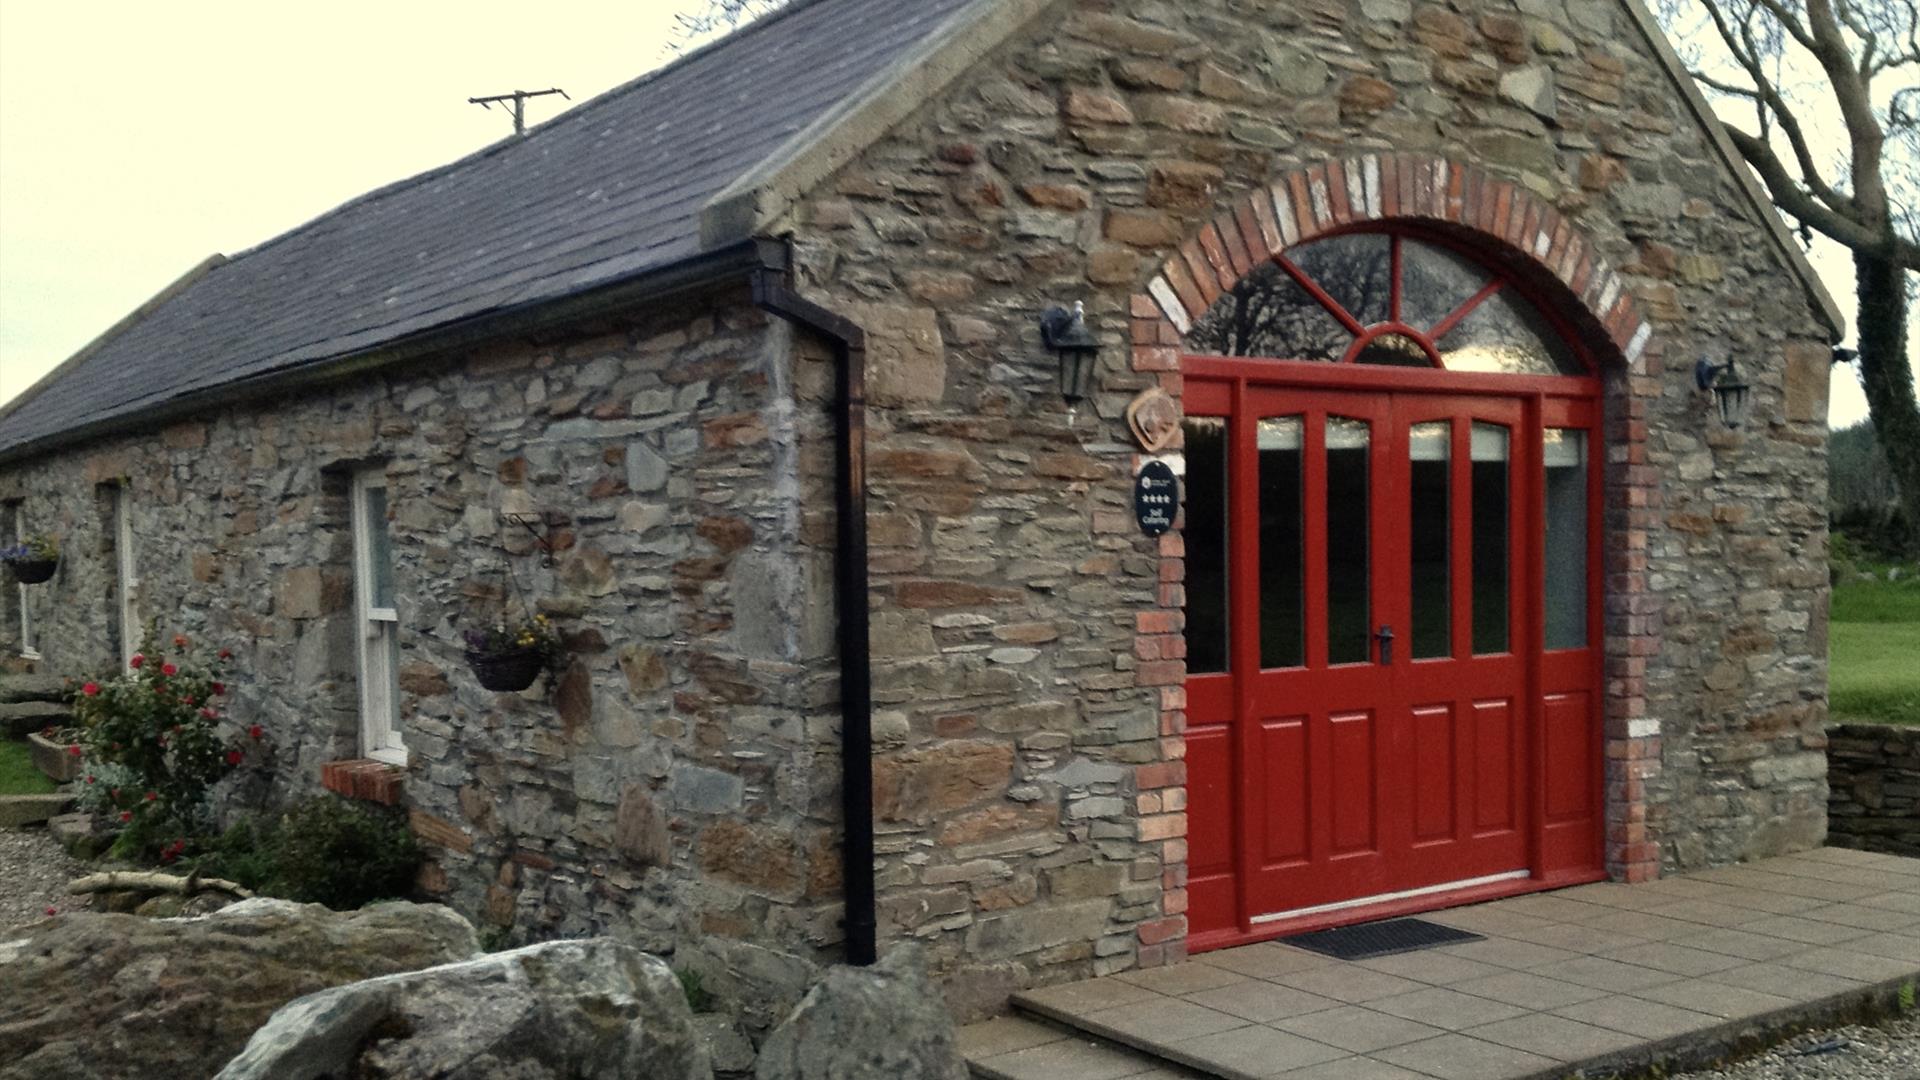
column 507, row 672
column 32, row 571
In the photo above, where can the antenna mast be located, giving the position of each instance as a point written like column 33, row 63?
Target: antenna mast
column 519, row 99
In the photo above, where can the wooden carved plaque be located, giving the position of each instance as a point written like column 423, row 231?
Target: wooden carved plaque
column 1155, row 419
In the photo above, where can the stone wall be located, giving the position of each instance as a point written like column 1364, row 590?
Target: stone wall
column 1033, row 814
column 678, row 785
column 1874, row 773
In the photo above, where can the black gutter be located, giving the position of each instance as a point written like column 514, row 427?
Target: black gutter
column 773, row 293
column 608, row 298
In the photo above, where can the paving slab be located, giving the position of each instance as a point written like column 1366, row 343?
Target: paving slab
column 1597, row 979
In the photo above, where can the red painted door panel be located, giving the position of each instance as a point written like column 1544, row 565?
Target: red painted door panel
column 1366, row 727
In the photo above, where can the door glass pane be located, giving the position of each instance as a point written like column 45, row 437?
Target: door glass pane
column 1349, row 616
column 1506, row 335
column 1269, row 314
column 1434, row 282
column 1206, row 537
column 1566, row 540
column 1490, row 555
column 1429, row 526
column 1355, row 269
column 379, row 554
column 1282, row 596
column 1396, row 350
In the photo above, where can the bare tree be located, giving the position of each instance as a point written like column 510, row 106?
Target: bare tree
column 718, row 17
column 1792, row 60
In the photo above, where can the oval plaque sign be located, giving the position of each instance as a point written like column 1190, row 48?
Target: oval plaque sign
column 1156, row 497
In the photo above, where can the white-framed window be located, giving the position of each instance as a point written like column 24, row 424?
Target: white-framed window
column 16, row 534
column 378, row 620
column 127, row 572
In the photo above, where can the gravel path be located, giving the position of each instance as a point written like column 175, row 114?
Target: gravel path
column 1891, row 1052
column 34, row 871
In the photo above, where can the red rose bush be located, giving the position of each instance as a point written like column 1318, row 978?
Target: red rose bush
column 156, row 728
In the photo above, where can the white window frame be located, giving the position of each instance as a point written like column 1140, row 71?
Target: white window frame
column 128, row 571
column 27, row 650
column 377, row 632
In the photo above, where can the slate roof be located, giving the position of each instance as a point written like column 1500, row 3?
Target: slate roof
column 606, row 191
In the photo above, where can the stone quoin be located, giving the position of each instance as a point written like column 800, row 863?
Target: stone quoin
column 334, row 452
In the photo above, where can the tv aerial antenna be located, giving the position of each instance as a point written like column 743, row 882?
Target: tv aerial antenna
column 519, row 99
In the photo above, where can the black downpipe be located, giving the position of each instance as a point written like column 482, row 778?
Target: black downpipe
column 772, row 293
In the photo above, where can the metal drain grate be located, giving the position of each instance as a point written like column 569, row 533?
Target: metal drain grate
column 1368, row 940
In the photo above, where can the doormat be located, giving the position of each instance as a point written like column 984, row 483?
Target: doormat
column 1368, row 940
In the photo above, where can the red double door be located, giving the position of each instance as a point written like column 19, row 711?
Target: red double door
column 1391, row 698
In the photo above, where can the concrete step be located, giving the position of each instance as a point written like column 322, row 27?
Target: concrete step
column 1026, row 1047
column 18, row 719
column 32, row 688
column 1153, row 1050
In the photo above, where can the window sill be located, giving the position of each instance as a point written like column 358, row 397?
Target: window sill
column 364, row 778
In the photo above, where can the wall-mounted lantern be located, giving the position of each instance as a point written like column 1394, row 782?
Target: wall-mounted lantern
column 1730, row 391
column 1067, row 334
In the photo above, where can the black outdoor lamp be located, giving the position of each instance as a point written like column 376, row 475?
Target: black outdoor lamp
column 1066, row 333
column 1730, row 391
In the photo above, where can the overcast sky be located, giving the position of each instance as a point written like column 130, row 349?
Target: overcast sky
column 137, row 139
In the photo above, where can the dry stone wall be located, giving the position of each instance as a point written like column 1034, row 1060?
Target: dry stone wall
column 1874, row 773
column 1032, row 818
column 677, row 784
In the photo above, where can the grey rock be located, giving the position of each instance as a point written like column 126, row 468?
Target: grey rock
column 100, row 996
column 730, row 1050
column 886, row 1022
column 646, row 469
column 1297, row 72
column 576, row 1009
column 1531, row 88
column 1386, row 10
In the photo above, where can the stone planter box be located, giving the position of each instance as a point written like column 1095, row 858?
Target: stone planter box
column 52, row 757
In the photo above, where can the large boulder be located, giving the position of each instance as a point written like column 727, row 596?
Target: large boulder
column 95, row 996
column 885, row 1022
column 579, row 1010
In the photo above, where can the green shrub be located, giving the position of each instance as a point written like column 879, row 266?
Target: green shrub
column 343, row 854
column 244, row 854
column 324, row 850
column 699, row 998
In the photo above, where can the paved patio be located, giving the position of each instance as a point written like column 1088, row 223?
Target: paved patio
column 1597, row 977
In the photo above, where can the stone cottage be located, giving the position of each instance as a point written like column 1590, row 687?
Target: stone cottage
column 872, row 632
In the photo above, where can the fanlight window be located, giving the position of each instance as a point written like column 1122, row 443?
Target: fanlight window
column 1378, row 298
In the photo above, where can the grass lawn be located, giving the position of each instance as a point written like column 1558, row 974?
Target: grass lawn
column 1875, row 651
column 17, row 774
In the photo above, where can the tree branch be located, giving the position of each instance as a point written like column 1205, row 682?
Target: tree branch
column 1855, row 98
column 1794, row 200
column 1767, row 101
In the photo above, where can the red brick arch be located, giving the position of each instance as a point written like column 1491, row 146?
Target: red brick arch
column 1305, row 203
column 1340, row 194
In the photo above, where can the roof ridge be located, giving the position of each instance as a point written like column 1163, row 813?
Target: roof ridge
column 502, row 145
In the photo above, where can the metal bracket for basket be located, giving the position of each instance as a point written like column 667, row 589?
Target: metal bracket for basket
column 541, row 527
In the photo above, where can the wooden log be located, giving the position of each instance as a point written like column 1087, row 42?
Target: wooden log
column 152, row 882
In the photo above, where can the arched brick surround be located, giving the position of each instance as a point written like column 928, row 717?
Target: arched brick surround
column 1305, row 203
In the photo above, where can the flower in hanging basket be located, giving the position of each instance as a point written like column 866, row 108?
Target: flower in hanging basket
column 34, row 561
column 509, row 656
